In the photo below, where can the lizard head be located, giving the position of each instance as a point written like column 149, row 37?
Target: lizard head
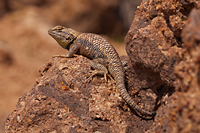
column 64, row 36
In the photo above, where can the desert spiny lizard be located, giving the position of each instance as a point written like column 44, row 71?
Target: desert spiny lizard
column 104, row 57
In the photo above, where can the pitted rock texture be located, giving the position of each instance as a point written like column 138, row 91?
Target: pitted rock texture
column 181, row 114
column 164, row 59
column 62, row 101
column 187, row 70
column 154, row 39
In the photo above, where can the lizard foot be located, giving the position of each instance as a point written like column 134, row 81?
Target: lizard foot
column 62, row 56
column 96, row 72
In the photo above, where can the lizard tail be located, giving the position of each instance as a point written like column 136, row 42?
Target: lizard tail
column 122, row 89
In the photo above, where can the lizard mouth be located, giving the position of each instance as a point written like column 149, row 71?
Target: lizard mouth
column 54, row 34
column 50, row 32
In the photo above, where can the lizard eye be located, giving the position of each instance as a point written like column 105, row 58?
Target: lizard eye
column 60, row 30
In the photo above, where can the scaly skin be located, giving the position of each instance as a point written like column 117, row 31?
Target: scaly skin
column 103, row 57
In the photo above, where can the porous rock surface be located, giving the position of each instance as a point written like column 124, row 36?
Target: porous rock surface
column 156, row 45
column 181, row 114
column 153, row 40
column 62, row 101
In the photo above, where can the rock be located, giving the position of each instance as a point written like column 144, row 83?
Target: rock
column 160, row 64
column 79, row 107
column 181, row 114
column 153, row 41
column 187, row 70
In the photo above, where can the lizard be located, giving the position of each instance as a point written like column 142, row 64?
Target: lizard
column 103, row 58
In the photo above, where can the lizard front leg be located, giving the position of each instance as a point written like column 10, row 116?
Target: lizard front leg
column 73, row 49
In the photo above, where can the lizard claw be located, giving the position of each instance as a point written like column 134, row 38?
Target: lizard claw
column 111, row 78
column 96, row 72
column 56, row 56
column 105, row 76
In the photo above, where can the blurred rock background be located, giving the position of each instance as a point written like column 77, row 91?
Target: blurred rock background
column 25, row 45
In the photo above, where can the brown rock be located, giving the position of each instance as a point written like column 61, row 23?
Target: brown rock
column 153, row 39
column 181, row 114
column 85, row 107
column 187, row 70
column 155, row 47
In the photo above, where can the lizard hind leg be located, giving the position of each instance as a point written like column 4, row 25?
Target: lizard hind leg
column 100, row 69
